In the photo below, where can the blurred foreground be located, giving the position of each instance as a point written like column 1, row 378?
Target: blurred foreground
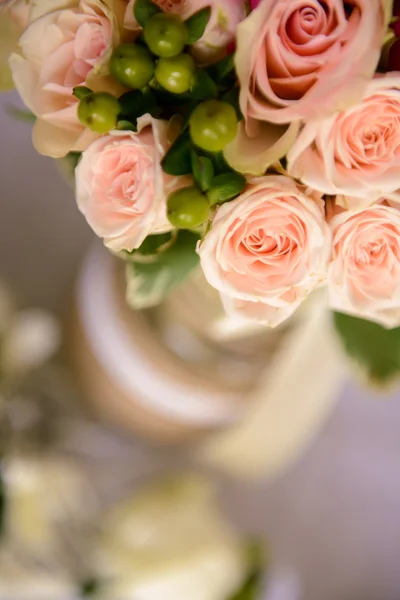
column 333, row 516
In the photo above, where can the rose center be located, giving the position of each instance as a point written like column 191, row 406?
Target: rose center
column 268, row 244
column 120, row 176
column 174, row 6
column 89, row 44
column 370, row 253
column 309, row 20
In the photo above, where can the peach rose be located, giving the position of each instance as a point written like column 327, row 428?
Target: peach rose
column 121, row 188
column 355, row 152
column 267, row 250
column 220, row 30
column 59, row 50
column 299, row 58
column 364, row 273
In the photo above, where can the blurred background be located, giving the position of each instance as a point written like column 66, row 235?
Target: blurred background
column 332, row 515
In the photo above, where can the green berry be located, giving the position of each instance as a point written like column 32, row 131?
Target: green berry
column 166, row 35
column 213, row 124
column 187, row 208
column 175, row 74
column 132, row 65
column 99, row 112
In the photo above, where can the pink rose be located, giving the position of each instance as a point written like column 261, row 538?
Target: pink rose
column 355, row 152
column 364, row 273
column 267, row 250
column 121, row 188
column 220, row 31
column 299, row 58
column 62, row 49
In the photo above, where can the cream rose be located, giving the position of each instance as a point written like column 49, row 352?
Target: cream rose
column 355, row 152
column 364, row 273
column 299, row 58
column 59, row 50
column 267, row 250
column 121, row 188
column 169, row 541
column 220, row 30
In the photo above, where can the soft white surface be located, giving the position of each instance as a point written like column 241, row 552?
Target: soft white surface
column 335, row 514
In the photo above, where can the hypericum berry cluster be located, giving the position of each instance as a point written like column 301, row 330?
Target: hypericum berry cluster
column 164, row 80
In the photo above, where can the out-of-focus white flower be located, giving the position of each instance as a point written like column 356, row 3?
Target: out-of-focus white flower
column 170, row 541
column 18, row 581
column 43, row 495
column 32, row 339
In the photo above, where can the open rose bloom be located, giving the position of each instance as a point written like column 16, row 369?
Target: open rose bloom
column 65, row 44
column 355, row 152
column 269, row 129
column 121, row 188
column 364, row 273
column 267, row 250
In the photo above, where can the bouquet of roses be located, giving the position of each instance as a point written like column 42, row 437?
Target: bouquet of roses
column 260, row 138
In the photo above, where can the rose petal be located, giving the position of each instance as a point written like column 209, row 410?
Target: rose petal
column 253, row 155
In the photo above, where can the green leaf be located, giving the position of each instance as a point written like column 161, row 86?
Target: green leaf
column 232, row 98
column 153, row 244
column 189, row 109
column 73, row 158
column 89, row 588
column 143, row 10
column 131, row 104
column 21, row 114
column 203, row 171
column 136, row 103
column 197, row 23
column 167, row 98
column 68, row 165
column 377, row 350
column 220, row 70
column 251, row 589
column 225, row 187
column 149, row 282
column 203, row 87
column 80, row 91
column 149, row 99
column 219, row 162
column 177, row 160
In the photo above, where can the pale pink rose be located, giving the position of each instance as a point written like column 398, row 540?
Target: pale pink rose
column 364, row 273
column 221, row 28
column 60, row 50
column 120, row 185
column 355, row 152
column 297, row 59
column 267, row 250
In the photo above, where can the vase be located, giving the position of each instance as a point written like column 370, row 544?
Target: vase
column 244, row 397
